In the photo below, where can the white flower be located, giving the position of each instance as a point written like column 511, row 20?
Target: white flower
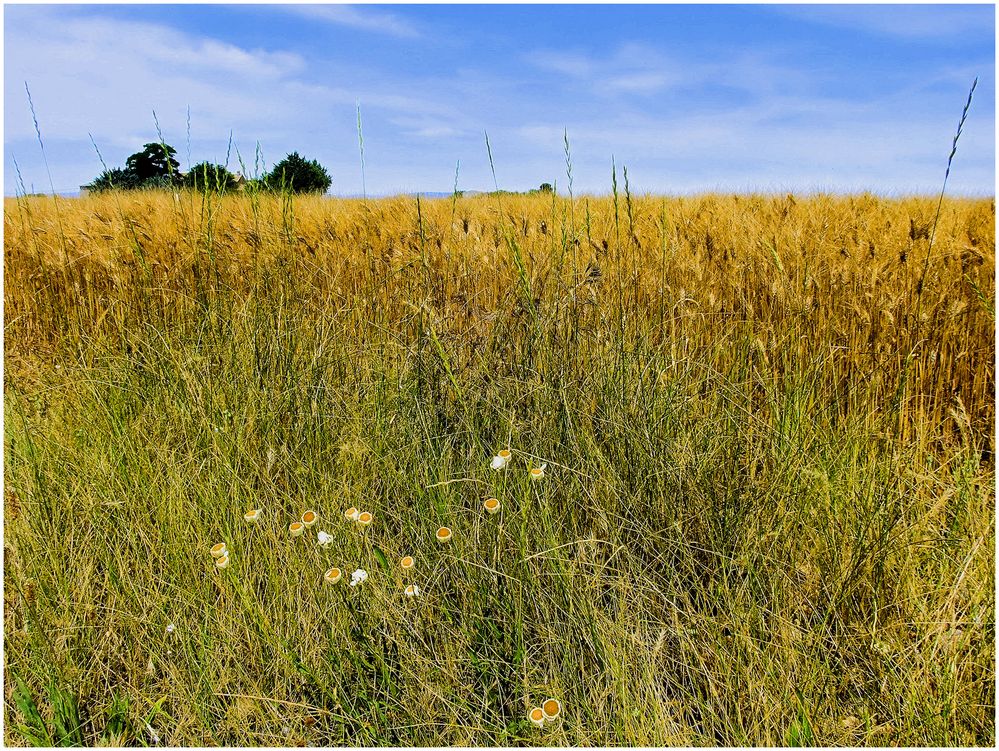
column 501, row 459
column 252, row 515
column 324, row 540
column 491, row 505
column 309, row 518
column 352, row 513
column 297, row 529
column 218, row 550
column 364, row 518
column 537, row 716
column 358, row 577
column 222, row 562
column 170, row 628
column 333, row 575
column 412, row 591
column 153, row 734
column 444, row 535
column 538, row 472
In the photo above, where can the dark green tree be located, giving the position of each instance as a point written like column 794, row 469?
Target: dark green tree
column 545, row 188
column 155, row 160
column 299, row 175
column 115, row 179
column 210, row 177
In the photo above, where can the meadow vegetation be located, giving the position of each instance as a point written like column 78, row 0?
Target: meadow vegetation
column 767, row 511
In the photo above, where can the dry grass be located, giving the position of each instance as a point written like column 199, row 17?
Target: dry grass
column 767, row 515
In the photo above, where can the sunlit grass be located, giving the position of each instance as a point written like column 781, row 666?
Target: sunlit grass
column 765, row 507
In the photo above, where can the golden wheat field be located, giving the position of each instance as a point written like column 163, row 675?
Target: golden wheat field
column 749, row 499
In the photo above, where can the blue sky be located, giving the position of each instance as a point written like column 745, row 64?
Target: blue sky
column 690, row 98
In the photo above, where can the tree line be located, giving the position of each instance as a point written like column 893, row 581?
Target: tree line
column 156, row 167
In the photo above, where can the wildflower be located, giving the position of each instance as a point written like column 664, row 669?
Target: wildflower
column 492, row 505
column 222, row 562
column 501, row 459
column 352, row 514
column 252, row 515
column 364, row 518
column 296, row 529
column 412, row 591
column 444, row 535
column 333, row 575
column 537, row 716
column 552, row 708
column 153, row 735
column 218, row 550
column 170, row 628
column 358, row 577
column 324, row 540
column 538, row 472
column 407, row 563
column 309, row 518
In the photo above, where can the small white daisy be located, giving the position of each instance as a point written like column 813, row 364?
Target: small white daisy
column 358, row 577
column 501, row 459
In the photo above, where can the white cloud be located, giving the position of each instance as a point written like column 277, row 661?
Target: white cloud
column 354, row 17
column 773, row 121
column 106, row 76
column 925, row 22
column 638, row 69
column 562, row 62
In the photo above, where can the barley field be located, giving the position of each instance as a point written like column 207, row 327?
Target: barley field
column 761, row 430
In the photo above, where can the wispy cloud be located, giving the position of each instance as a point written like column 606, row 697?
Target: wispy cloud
column 638, row 69
column 680, row 113
column 105, row 76
column 927, row 22
column 363, row 18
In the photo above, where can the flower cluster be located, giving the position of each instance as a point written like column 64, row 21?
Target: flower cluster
column 364, row 519
column 548, row 713
column 220, row 553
